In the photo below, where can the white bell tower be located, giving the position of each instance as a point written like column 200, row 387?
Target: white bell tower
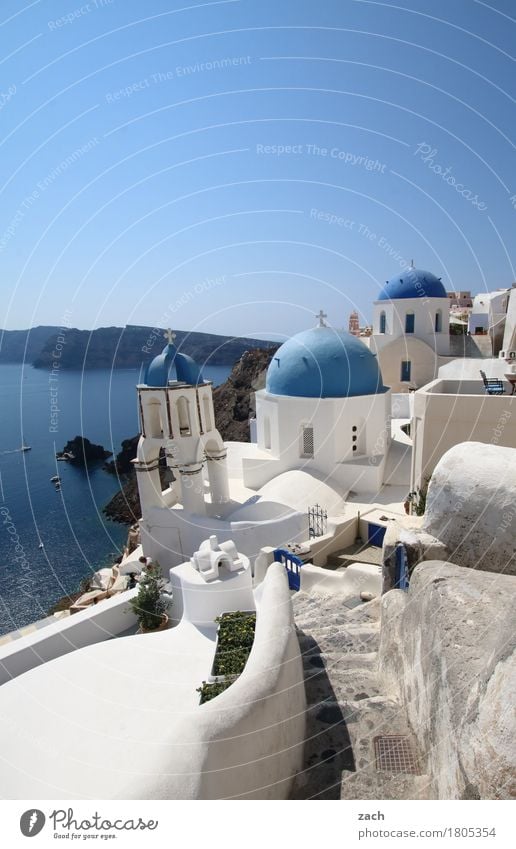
column 177, row 415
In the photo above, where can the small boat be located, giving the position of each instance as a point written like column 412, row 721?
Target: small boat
column 56, row 479
column 58, row 487
column 41, row 545
column 26, row 448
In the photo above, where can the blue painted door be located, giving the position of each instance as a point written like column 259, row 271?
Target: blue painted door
column 405, row 370
column 375, row 534
column 292, row 565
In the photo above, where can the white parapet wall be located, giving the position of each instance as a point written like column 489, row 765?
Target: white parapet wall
column 248, row 742
column 101, row 622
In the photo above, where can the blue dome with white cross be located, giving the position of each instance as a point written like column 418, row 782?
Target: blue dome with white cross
column 172, row 365
column 324, row 363
column 413, row 283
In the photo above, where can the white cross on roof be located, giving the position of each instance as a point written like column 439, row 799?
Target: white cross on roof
column 170, row 335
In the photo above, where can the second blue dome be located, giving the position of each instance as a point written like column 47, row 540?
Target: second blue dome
column 324, row 363
column 413, row 283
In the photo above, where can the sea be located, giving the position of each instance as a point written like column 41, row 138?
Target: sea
column 49, row 539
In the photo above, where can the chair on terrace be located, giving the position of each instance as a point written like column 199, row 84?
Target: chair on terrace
column 492, row 385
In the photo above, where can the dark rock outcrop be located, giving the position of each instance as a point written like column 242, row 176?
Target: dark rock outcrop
column 234, row 400
column 122, row 464
column 81, row 452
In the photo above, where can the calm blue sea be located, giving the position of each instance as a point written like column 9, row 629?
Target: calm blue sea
column 100, row 405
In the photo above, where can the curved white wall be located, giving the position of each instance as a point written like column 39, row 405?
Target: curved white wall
column 248, row 742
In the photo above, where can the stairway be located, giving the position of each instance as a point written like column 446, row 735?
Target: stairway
column 346, row 706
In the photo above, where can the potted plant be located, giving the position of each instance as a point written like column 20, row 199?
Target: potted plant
column 149, row 605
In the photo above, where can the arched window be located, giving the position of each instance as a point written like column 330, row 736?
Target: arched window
column 383, row 322
column 153, row 419
column 183, row 412
column 267, row 432
column 438, row 321
column 410, row 322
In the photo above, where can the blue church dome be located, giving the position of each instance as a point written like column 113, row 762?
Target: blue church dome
column 324, row 363
column 413, row 283
column 171, row 365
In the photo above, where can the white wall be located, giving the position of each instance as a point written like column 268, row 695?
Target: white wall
column 248, row 742
column 170, row 536
column 424, row 310
column 333, row 420
column 442, row 419
column 101, row 622
column 424, row 363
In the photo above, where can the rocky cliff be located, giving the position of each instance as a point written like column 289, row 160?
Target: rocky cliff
column 234, row 400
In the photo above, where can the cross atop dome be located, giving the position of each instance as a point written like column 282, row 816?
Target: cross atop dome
column 170, row 336
column 322, row 315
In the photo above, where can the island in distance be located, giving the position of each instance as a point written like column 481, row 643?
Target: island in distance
column 117, row 347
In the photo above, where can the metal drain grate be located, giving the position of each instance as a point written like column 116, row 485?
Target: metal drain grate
column 395, row 753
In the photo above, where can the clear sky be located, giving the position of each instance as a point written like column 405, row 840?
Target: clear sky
column 235, row 166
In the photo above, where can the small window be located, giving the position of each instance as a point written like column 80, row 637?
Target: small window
column 354, row 428
column 410, row 322
column 383, row 322
column 406, row 366
column 307, row 439
column 438, row 322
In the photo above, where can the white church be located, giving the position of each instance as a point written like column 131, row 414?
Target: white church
column 411, row 326
column 323, row 432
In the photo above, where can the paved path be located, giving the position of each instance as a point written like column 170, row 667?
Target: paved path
column 347, row 708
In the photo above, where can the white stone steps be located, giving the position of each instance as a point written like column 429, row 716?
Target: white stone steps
column 346, row 706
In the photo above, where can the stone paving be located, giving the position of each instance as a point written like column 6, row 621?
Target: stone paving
column 347, row 707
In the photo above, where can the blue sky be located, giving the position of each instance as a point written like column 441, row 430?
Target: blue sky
column 235, row 166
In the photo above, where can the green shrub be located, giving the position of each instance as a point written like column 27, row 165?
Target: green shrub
column 149, row 605
column 235, row 641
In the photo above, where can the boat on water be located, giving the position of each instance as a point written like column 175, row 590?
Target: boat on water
column 56, row 479
column 41, row 545
column 58, row 487
column 26, row 448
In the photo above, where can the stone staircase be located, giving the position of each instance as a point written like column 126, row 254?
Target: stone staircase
column 346, row 707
